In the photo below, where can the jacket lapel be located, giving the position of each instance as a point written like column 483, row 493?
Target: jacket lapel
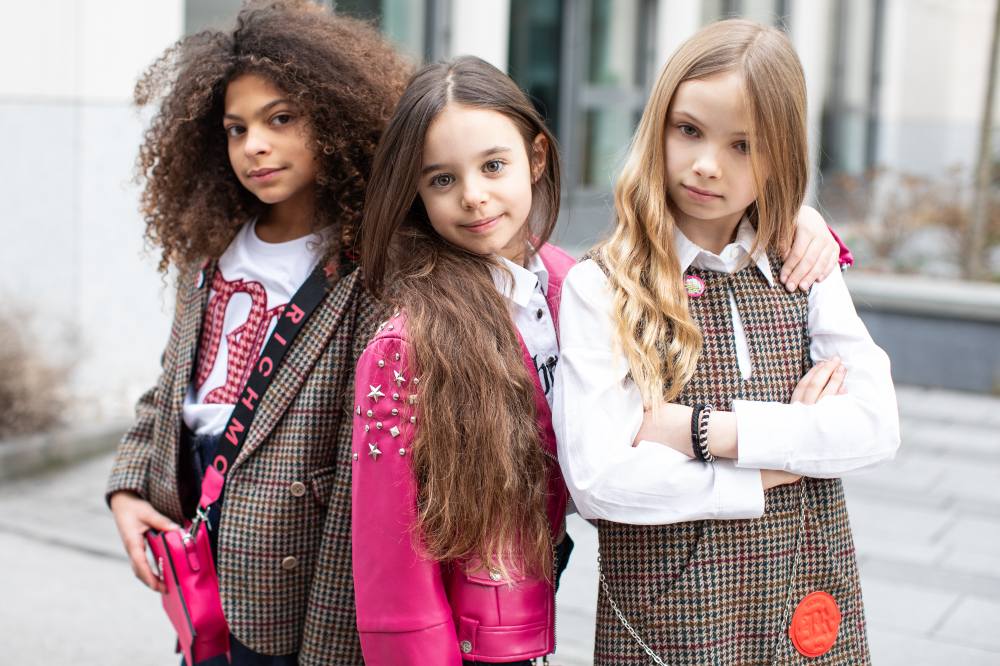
column 193, row 297
column 295, row 368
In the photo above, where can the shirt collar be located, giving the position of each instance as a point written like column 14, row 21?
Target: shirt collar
column 731, row 258
column 526, row 279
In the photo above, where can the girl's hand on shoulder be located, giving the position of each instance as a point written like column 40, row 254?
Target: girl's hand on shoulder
column 814, row 253
column 823, row 379
column 134, row 516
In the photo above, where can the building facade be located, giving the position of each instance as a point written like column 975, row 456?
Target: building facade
column 892, row 83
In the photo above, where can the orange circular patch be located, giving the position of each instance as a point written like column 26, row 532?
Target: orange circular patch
column 815, row 624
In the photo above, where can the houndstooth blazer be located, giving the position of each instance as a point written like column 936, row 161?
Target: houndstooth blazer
column 284, row 558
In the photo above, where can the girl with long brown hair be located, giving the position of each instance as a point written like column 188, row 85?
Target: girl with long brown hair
column 458, row 502
column 704, row 413
column 255, row 165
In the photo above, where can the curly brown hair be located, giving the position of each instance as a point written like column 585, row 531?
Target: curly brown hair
column 341, row 74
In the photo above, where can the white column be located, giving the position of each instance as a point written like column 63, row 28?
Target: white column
column 676, row 20
column 811, row 26
column 481, row 28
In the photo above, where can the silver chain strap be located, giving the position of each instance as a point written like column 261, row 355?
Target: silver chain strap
column 621, row 616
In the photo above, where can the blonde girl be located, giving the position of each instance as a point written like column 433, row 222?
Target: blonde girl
column 705, row 413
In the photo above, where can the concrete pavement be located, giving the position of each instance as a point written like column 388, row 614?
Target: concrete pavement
column 927, row 528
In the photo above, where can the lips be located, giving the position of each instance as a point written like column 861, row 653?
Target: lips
column 700, row 192
column 700, row 196
column 483, row 225
column 264, row 173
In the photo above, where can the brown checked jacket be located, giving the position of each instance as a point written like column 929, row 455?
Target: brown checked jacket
column 284, row 559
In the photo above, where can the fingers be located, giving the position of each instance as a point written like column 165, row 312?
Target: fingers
column 134, row 517
column 813, row 383
column 801, row 275
column 151, row 518
column 830, row 261
column 136, row 549
column 794, row 258
column 826, row 262
column 835, row 386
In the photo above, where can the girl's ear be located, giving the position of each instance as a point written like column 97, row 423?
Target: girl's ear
column 539, row 156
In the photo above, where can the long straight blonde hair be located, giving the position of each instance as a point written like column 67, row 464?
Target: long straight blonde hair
column 658, row 338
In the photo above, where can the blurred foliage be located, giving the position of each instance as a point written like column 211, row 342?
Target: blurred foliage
column 32, row 389
column 885, row 210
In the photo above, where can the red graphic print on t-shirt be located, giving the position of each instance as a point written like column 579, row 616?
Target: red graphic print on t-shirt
column 243, row 343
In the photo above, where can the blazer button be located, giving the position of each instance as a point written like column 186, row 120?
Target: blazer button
column 465, row 646
column 289, row 563
column 298, row 489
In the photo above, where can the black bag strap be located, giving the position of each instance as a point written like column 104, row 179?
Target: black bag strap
column 293, row 318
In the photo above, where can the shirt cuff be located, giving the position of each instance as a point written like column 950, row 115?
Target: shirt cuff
column 739, row 493
column 763, row 433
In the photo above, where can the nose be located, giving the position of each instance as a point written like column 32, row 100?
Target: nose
column 473, row 195
column 706, row 164
column 256, row 143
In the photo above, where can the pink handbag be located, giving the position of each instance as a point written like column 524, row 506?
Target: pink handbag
column 191, row 600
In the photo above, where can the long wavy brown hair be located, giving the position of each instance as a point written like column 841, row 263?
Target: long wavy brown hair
column 480, row 468
column 341, row 74
column 659, row 339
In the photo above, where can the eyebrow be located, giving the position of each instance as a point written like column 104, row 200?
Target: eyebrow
column 262, row 110
column 486, row 153
column 695, row 120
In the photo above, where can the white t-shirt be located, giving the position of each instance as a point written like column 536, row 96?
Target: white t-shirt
column 253, row 282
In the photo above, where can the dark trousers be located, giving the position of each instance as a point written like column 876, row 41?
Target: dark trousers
column 202, row 449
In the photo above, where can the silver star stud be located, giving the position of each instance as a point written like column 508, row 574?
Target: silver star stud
column 376, row 392
column 373, row 451
column 398, row 377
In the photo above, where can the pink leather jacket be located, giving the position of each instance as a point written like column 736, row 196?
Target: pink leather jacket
column 412, row 610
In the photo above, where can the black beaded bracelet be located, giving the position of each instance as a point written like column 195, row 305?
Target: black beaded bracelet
column 695, row 418
column 703, row 417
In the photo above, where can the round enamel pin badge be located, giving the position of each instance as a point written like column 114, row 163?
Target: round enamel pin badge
column 694, row 285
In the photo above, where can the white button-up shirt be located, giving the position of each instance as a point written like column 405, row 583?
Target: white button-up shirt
column 598, row 411
column 530, row 312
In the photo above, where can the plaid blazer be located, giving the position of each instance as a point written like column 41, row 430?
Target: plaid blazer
column 284, row 559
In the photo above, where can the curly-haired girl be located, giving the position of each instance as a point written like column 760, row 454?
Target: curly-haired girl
column 255, row 166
